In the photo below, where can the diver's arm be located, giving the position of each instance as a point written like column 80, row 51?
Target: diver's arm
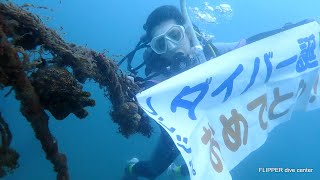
column 164, row 154
column 223, row 47
column 227, row 47
column 276, row 31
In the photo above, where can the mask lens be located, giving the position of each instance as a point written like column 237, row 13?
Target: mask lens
column 159, row 45
column 175, row 34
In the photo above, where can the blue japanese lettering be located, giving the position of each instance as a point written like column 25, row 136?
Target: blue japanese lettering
column 171, row 129
column 254, row 74
column 287, row 62
column 190, row 105
column 267, row 57
column 307, row 58
column 184, row 141
column 228, row 84
column 153, row 112
column 191, row 166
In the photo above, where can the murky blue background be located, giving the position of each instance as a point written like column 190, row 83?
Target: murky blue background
column 94, row 148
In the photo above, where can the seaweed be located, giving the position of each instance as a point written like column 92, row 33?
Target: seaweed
column 60, row 93
column 52, row 81
column 8, row 157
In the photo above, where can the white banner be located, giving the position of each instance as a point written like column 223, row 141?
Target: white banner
column 219, row 112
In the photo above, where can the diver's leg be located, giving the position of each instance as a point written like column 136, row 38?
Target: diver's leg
column 165, row 153
column 184, row 170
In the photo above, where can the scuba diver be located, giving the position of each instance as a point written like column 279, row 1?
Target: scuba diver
column 169, row 51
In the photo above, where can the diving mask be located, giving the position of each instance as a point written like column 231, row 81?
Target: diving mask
column 168, row 40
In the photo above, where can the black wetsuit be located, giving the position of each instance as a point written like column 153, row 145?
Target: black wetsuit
column 164, row 154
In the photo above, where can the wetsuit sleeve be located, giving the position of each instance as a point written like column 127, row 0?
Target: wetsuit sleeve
column 287, row 26
column 223, row 47
column 165, row 153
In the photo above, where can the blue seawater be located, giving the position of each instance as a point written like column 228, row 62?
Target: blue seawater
column 94, row 148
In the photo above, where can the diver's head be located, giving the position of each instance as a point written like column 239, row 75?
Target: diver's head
column 166, row 33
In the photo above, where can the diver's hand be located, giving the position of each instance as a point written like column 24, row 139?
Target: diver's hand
column 130, row 78
column 137, row 80
column 241, row 43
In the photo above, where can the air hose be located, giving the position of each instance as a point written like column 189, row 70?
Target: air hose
column 197, row 49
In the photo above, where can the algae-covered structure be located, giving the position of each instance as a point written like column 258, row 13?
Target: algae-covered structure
column 46, row 73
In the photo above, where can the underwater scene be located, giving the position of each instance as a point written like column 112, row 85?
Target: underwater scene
column 149, row 89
